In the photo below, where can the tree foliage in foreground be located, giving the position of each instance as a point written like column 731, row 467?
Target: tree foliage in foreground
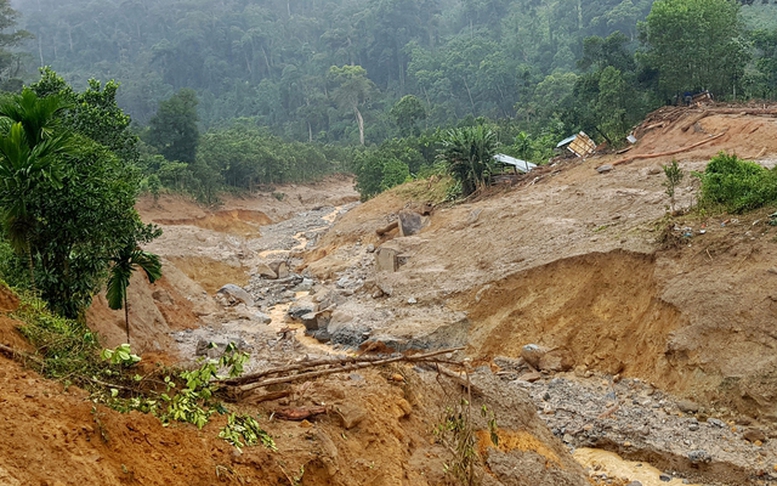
column 78, row 207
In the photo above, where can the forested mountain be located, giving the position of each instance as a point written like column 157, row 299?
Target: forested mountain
column 272, row 59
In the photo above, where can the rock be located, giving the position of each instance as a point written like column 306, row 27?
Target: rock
column 302, row 307
column 634, row 483
column 350, row 335
column 410, row 223
column 283, row 270
column 235, row 294
column 386, row 260
column 350, row 415
column 556, row 361
column 262, row 317
column 305, row 286
column 716, row 422
column 161, row 296
column 264, row 270
column 370, row 248
column 688, row 406
column 412, row 300
column 531, row 353
column 665, row 478
column 531, row 377
column 603, row 169
column 310, row 320
column 699, row 456
column 385, row 288
column 215, row 349
column 507, row 363
column 693, row 426
column 753, row 435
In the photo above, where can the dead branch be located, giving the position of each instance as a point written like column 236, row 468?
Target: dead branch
column 628, row 160
column 308, row 365
column 461, row 379
column 251, row 382
column 19, row 355
column 298, row 414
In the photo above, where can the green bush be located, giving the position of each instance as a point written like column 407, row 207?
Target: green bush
column 736, row 184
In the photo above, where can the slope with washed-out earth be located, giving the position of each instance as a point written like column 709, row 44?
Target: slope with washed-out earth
column 591, row 324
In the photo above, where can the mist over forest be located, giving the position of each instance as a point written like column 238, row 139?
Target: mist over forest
column 336, row 75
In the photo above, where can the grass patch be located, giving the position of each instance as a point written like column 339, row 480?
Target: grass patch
column 736, row 185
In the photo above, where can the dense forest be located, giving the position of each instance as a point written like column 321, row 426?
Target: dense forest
column 238, row 93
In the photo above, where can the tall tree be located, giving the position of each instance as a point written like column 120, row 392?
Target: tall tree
column 695, row 44
column 30, row 151
column 352, row 89
column 173, row 130
column 10, row 62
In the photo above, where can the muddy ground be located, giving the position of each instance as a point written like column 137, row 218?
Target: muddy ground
column 657, row 334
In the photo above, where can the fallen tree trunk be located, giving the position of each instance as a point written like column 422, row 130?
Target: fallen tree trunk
column 628, row 160
column 308, row 370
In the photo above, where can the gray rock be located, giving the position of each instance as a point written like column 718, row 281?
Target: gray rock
column 716, row 422
column 305, row 286
column 370, row 248
column 351, row 335
column 234, row 294
column 410, row 223
column 215, row 349
column 301, row 308
column 699, row 456
column 262, row 317
column 634, row 483
column 665, row 478
column 412, row 300
column 310, row 320
column 688, row 406
column 603, row 169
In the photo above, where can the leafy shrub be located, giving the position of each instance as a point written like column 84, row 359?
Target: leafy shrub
column 469, row 153
column 736, row 184
column 244, row 430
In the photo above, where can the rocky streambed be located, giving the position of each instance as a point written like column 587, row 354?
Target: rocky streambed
column 283, row 315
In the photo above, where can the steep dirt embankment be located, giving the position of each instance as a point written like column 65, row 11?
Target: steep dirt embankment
column 599, row 310
column 574, row 259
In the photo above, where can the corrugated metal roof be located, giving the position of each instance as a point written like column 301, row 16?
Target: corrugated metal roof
column 520, row 165
column 566, row 141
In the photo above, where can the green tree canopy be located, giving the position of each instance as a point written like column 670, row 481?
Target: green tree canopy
column 173, row 130
column 695, row 44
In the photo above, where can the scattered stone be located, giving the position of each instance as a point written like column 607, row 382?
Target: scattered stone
column 386, row 260
column 716, row 422
column 699, row 456
column 753, row 435
column 162, row 296
column 235, row 294
column 410, row 223
column 693, row 426
column 412, row 301
column 301, row 308
column 603, row 169
column 215, row 350
column 350, row 415
column 262, row 317
column 531, row 353
column 370, row 248
column 688, row 406
column 556, row 361
column 531, row 377
column 264, row 270
column 665, row 478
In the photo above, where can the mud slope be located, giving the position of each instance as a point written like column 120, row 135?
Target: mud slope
column 599, row 310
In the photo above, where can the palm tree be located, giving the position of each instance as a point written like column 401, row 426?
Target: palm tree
column 127, row 260
column 469, row 153
column 30, row 147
